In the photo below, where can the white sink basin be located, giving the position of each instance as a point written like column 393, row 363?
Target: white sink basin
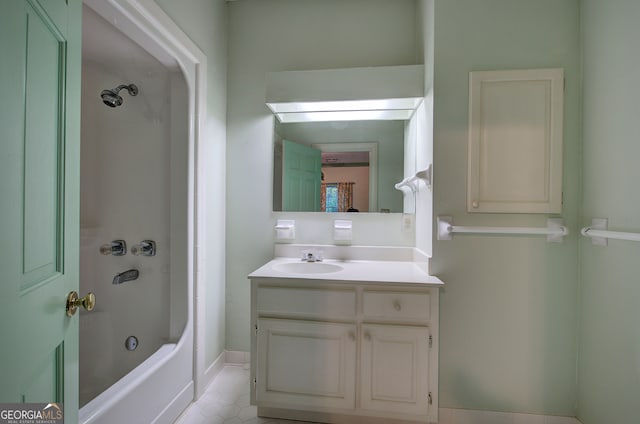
column 307, row 267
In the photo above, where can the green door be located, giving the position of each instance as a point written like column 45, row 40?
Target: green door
column 39, row 204
column 301, row 175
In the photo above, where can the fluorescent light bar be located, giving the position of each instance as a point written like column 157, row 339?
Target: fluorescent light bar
column 344, row 105
column 348, row 115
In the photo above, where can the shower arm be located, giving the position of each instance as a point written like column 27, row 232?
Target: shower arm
column 131, row 89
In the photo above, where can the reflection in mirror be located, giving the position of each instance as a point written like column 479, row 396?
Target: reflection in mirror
column 348, row 177
column 360, row 162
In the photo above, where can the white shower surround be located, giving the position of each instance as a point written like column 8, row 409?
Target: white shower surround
column 162, row 386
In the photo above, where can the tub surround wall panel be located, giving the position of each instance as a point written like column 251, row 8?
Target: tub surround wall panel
column 276, row 35
column 608, row 358
column 124, row 151
column 509, row 309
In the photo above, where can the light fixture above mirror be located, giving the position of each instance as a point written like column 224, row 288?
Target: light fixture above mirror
column 351, row 94
column 346, row 110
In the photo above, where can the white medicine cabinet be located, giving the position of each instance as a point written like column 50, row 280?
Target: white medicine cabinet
column 515, row 141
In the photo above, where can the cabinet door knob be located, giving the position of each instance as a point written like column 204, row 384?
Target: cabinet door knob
column 352, row 336
column 367, row 336
column 396, row 305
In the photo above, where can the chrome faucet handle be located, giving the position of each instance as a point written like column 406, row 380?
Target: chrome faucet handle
column 115, row 248
column 144, row 248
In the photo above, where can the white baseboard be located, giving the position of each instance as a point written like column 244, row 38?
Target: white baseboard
column 211, row 372
column 236, row 357
column 468, row 416
column 225, row 358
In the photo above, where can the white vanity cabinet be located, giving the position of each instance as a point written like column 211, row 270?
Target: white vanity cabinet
column 344, row 352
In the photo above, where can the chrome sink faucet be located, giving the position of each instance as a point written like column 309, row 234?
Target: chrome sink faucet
column 310, row 256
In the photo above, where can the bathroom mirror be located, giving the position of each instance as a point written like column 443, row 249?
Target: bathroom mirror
column 355, row 126
column 338, row 166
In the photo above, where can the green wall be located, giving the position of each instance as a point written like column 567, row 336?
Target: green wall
column 508, row 313
column 609, row 349
column 276, row 35
column 510, row 333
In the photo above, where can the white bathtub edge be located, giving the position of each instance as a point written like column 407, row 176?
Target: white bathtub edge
column 123, row 387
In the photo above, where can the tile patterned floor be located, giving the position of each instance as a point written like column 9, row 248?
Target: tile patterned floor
column 226, row 401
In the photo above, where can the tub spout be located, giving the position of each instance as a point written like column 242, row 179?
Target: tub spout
column 128, row 275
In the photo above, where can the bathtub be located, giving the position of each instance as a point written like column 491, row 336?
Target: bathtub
column 156, row 391
column 159, row 384
column 148, row 145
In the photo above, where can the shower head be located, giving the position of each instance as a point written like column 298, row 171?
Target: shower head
column 111, row 98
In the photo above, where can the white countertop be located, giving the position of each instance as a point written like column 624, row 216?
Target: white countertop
column 366, row 271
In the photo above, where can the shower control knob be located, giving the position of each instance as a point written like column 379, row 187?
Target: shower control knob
column 144, row 248
column 74, row 302
column 115, row 248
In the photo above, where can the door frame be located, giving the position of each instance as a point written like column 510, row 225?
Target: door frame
column 147, row 24
column 372, row 148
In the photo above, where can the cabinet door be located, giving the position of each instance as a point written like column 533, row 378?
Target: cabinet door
column 394, row 369
column 515, row 141
column 304, row 364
